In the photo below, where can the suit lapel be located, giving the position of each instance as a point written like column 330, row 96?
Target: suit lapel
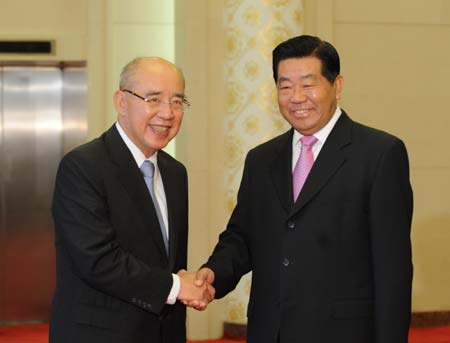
column 330, row 159
column 281, row 171
column 171, row 191
column 129, row 175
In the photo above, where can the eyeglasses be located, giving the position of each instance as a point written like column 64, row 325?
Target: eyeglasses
column 155, row 101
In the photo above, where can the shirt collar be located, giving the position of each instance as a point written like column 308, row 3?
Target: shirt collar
column 323, row 133
column 138, row 155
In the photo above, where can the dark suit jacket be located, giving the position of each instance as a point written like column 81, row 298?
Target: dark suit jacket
column 113, row 274
column 336, row 265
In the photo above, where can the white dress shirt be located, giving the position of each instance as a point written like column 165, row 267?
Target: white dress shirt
column 158, row 186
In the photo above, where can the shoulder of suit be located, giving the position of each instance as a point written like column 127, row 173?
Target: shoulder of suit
column 273, row 145
column 364, row 133
column 94, row 147
column 164, row 156
column 88, row 155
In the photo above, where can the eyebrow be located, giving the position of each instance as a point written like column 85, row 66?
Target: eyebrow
column 180, row 95
column 308, row 76
column 282, row 78
column 150, row 93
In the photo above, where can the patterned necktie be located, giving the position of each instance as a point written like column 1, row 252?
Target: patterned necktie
column 304, row 164
column 148, row 170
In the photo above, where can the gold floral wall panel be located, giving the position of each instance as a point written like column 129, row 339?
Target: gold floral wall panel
column 254, row 28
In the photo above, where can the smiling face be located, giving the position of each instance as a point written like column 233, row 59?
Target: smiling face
column 149, row 127
column 307, row 100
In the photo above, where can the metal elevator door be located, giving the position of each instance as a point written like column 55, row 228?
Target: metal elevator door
column 42, row 115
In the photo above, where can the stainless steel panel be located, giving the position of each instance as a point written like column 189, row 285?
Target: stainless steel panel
column 32, row 124
column 43, row 114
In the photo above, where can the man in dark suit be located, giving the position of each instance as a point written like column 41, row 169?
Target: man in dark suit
column 121, row 234
column 333, row 263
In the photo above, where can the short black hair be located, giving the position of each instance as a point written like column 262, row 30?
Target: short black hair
column 306, row 46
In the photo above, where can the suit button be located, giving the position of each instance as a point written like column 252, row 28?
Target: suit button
column 291, row 224
column 285, row 262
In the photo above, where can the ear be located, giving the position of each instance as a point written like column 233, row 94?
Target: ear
column 338, row 83
column 119, row 103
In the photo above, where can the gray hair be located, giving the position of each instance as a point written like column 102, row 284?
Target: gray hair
column 129, row 70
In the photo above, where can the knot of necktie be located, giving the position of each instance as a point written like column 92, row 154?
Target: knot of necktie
column 148, row 169
column 308, row 141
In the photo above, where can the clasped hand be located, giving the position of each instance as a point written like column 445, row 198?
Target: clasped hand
column 196, row 289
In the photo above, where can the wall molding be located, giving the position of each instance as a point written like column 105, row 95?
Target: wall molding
column 234, row 331
column 436, row 318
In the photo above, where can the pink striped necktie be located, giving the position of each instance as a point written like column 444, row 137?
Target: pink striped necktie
column 304, row 164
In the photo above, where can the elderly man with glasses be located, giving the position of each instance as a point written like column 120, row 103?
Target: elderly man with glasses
column 121, row 221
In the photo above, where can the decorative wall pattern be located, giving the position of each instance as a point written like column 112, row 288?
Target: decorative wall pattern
column 254, row 28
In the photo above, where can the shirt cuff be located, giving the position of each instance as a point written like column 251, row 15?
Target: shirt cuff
column 173, row 295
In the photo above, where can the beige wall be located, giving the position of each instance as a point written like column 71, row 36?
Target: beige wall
column 62, row 21
column 200, row 52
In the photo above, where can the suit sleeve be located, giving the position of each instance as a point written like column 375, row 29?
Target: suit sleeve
column 85, row 235
column 231, row 258
column 391, row 205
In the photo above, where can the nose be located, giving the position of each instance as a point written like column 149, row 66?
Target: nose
column 165, row 110
column 298, row 95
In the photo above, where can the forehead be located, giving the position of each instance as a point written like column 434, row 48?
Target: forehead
column 158, row 76
column 300, row 67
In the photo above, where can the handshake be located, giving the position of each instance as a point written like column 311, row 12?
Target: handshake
column 196, row 289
